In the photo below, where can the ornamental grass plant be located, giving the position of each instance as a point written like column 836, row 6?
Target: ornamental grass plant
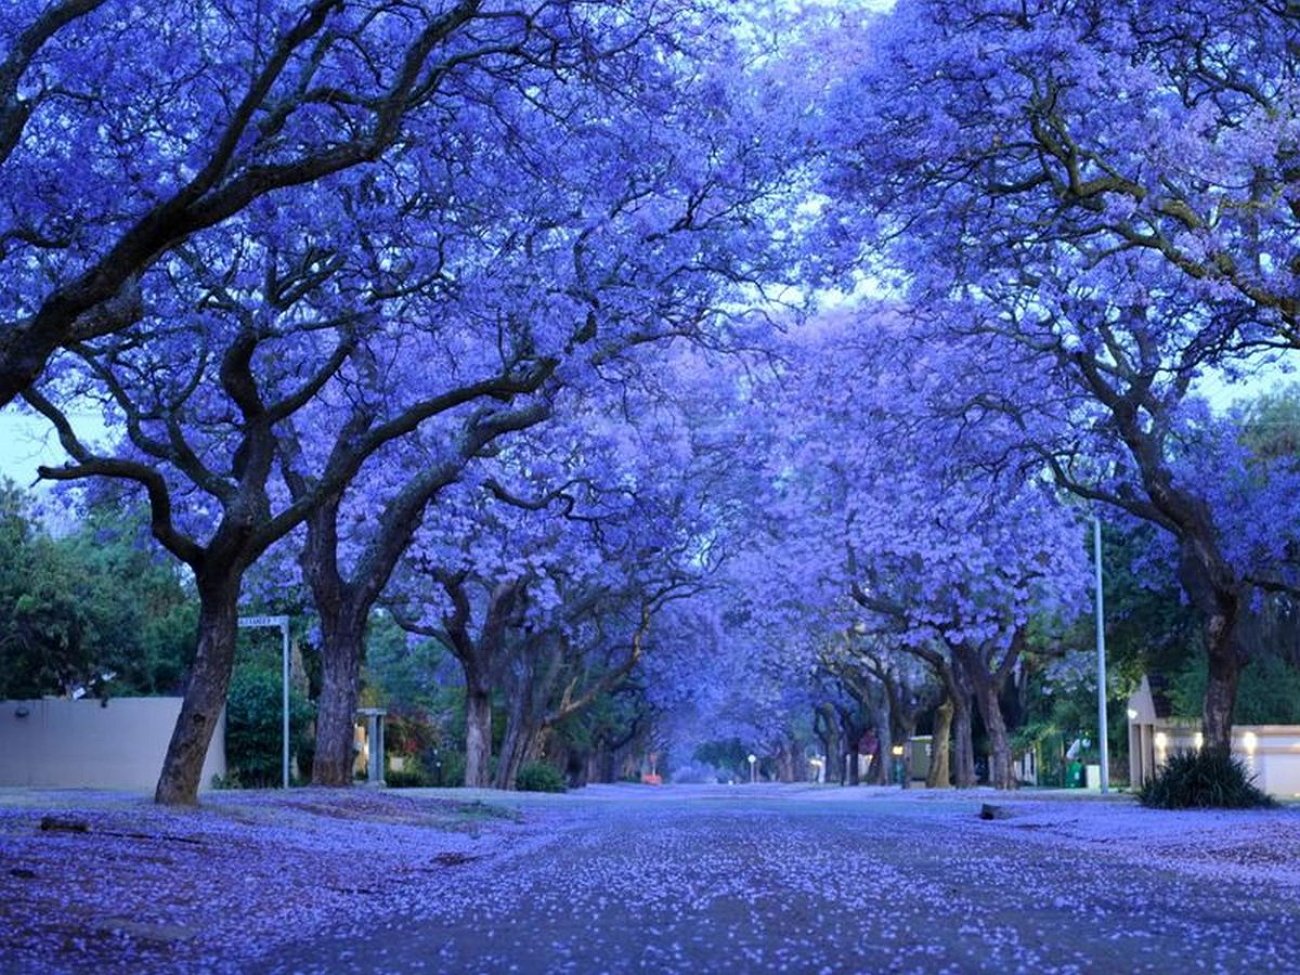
column 1205, row 778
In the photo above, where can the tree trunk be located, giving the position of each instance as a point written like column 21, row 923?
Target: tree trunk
column 1001, row 775
column 963, row 743
column 533, row 670
column 521, row 732
column 1224, row 674
column 853, row 729
column 478, row 736
column 600, row 763
column 1212, row 586
column 342, row 642
column 785, row 762
column 883, row 766
column 938, row 775
column 905, row 733
column 828, row 732
column 205, row 692
column 343, row 624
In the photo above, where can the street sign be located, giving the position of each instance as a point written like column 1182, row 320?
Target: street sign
column 263, row 620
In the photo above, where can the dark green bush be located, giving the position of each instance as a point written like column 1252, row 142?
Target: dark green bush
column 254, row 717
column 1208, row 778
column 539, row 777
column 446, row 769
column 410, row 777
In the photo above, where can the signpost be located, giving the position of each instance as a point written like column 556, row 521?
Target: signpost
column 1102, row 722
column 253, row 622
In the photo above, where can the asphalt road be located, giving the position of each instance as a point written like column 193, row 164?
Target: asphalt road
column 727, row 882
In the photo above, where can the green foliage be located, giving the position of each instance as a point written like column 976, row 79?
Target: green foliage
column 409, row 776
column 95, row 602
column 539, row 777
column 1269, row 692
column 416, row 740
column 1149, row 627
column 453, row 769
column 406, row 674
column 1272, row 429
column 1207, row 778
column 254, row 720
column 409, row 735
column 728, row 755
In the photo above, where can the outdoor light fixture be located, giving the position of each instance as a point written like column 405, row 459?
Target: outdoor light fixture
column 1162, row 740
column 897, row 751
column 1199, row 739
column 1132, row 715
column 1250, row 741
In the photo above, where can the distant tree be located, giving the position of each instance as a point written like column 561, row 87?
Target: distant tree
column 96, row 610
column 45, row 641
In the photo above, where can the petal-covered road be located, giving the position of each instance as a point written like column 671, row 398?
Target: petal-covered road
column 747, row 880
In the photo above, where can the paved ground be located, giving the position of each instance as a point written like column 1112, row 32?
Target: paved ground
column 745, row 881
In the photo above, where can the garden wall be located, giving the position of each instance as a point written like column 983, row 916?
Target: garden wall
column 1270, row 751
column 118, row 744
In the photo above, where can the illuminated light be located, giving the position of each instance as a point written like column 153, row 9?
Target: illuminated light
column 1132, row 715
column 897, row 751
column 1162, row 740
column 1250, row 741
column 1199, row 740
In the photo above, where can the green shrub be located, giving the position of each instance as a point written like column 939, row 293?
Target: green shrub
column 1208, row 778
column 539, row 777
column 410, row 777
column 445, row 769
column 223, row 782
column 254, row 727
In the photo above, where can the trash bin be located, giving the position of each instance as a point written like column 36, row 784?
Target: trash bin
column 1074, row 775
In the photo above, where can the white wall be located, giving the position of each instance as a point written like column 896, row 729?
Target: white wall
column 61, row 743
column 1271, row 752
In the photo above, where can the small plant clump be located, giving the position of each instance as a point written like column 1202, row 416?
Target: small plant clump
column 1206, row 778
column 539, row 777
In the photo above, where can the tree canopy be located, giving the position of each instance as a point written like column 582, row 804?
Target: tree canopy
column 630, row 349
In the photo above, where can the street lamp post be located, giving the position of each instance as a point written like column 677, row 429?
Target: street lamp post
column 1103, row 739
column 753, row 772
column 252, row 622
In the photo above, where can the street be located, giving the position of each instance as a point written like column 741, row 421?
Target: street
column 745, row 880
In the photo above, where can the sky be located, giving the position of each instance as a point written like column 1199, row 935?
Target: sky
column 28, row 441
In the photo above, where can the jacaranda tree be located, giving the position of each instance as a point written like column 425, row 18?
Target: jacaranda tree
column 1104, row 201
